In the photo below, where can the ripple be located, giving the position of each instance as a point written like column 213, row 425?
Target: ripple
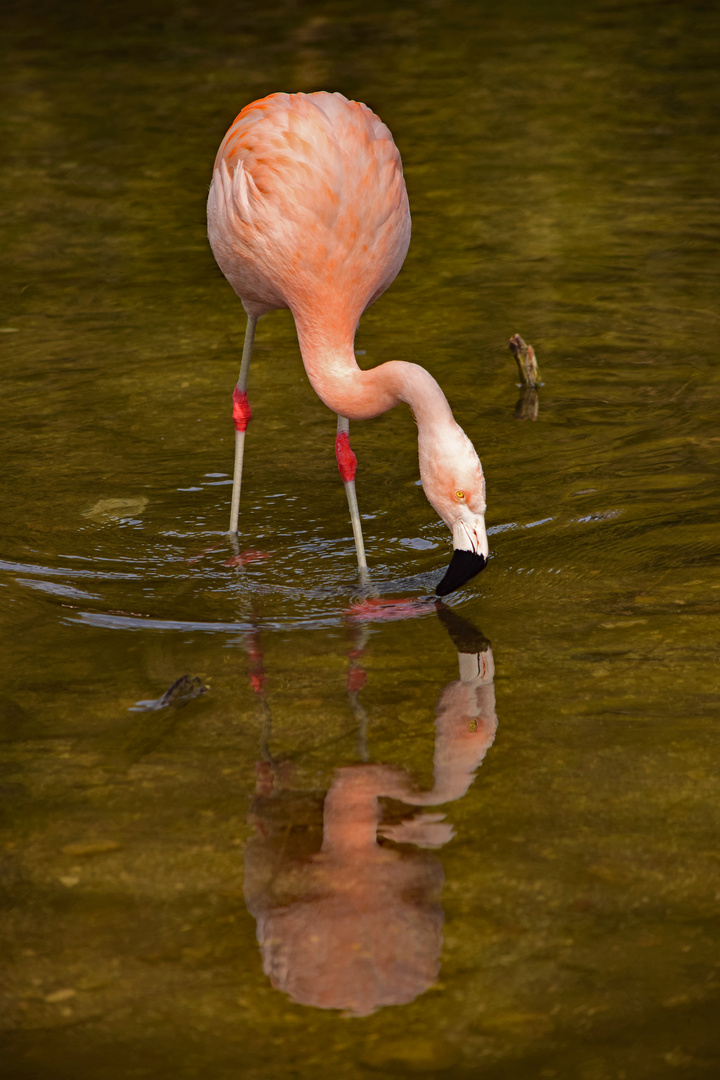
column 216, row 588
column 205, row 582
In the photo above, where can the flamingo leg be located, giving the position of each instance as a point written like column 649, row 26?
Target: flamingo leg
column 241, row 416
column 347, row 463
column 355, row 681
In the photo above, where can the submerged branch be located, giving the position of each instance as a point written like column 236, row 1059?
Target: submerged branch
column 526, row 362
column 528, row 403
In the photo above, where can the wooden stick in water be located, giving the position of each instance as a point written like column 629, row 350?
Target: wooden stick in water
column 528, row 404
column 526, row 361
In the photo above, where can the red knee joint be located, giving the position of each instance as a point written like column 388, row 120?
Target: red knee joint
column 356, row 679
column 242, row 413
column 347, row 462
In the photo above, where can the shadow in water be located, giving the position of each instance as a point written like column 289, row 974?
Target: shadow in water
column 344, row 889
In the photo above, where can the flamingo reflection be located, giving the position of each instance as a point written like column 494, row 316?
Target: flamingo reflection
column 347, row 902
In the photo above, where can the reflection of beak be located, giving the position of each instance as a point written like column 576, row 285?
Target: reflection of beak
column 470, row 556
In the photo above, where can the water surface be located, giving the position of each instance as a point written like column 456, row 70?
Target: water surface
column 562, row 917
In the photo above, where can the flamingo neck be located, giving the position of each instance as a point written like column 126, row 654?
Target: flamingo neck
column 360, row 395
column 350, row 818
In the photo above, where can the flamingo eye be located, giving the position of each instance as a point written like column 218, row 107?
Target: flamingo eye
column 460, row 495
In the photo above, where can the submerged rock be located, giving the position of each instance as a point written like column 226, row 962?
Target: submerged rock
column 116, row 509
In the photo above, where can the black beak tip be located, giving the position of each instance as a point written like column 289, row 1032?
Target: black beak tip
column 463, row 566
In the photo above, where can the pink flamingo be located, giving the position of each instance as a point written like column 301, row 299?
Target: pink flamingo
column 308, row 211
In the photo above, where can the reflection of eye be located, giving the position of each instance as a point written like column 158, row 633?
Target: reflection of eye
column 459, row 494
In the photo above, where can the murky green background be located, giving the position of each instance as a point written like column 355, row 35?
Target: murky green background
column 562, row 167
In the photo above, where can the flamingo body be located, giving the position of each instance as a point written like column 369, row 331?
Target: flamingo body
column 297, row 220
column 308, row 211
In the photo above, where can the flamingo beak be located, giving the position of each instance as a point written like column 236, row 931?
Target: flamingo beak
column 469, row 557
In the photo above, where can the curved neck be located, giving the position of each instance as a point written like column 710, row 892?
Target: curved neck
column 360, row 395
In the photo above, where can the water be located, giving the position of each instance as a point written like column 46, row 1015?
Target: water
column 562, row 169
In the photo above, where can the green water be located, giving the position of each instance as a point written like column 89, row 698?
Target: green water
column 562, row 169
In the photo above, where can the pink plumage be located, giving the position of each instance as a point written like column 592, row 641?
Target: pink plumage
column 313, row 190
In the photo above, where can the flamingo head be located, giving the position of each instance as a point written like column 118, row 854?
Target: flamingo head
column 453, row 481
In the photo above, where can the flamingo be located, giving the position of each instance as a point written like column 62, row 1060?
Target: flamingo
column 308, row 210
